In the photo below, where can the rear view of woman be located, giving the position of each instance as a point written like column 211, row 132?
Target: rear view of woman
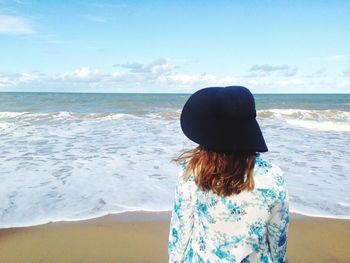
column 230, row 205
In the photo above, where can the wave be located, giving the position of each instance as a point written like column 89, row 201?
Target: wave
column 166, row 115
column 297, row 114
column 7, row 114
column 108, row 116
column 301, row 114
column 321, row 126
column 4, row 126
column 319, row 115
column 61, row 115
column 66, row 115
column 323, row 120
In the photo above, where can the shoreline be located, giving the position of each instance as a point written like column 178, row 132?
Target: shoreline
column 146, row 215
column 141, row 236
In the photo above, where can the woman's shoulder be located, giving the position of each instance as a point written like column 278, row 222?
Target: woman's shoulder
column 184, row 176
column 268, row 174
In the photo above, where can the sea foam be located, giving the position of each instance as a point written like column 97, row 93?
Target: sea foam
column 67, row 164
column 323, row 120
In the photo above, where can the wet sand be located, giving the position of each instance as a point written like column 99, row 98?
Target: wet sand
column 142, row 237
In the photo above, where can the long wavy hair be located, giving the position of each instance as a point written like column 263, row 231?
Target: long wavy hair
column 224, row 174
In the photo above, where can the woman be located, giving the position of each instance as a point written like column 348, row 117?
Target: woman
column 230, row 205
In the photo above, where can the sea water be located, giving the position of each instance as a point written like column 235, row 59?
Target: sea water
column 72, row 156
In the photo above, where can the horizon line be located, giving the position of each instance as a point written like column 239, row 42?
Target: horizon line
column 173, row 93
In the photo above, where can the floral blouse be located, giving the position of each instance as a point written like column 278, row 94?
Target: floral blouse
column 248, row 227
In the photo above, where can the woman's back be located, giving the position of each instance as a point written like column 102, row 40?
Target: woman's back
column 249, row 227
column 230, row 205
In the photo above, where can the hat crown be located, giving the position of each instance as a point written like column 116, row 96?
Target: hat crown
column 235, row 103
column 223, row 119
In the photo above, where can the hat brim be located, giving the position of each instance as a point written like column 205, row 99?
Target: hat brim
column 235, row 136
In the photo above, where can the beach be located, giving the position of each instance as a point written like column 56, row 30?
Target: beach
column 94, row 135
column 87, row 161
column 142, row 237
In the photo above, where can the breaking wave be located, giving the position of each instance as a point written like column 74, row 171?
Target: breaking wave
column 324, row 120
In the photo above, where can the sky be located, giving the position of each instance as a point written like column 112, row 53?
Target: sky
column 175, row 46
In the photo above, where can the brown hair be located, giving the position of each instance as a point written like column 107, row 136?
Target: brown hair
column 224, row 174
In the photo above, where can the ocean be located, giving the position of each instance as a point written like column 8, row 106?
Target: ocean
column 73, row 156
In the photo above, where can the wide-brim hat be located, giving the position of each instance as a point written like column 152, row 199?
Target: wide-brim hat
column 223, row 119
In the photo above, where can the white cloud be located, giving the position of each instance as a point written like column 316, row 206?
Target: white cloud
column 162, row 75
column 298, row 85
column 227, row 81
column 268, row 70
column 84, row 74
column 15, row 25
column 186, row 79
column 7, row 80
column 190, row 82
column 346, row 73
column 288, row 82
column 156, row 67
column 161, row 66
column 26, row 77
column 116, row 75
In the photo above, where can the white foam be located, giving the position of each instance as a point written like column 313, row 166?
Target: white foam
column 122, row 166
column 62, row 115
column 5, row 126
column 323, row 120
column 321, row 125
column 114, row 116
column 300, row 114
column 171, row 115
column 75, row 166
column 6, row 114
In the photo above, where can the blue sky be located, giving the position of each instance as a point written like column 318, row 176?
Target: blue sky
column 175, row 46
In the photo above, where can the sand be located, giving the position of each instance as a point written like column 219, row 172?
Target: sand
column 142, row 237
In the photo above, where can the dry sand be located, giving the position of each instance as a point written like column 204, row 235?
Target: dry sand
column 142, row 237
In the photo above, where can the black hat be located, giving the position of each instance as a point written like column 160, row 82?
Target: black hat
column 223, row 120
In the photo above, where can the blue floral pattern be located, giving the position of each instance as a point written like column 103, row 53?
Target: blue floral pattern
column 248, row 227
